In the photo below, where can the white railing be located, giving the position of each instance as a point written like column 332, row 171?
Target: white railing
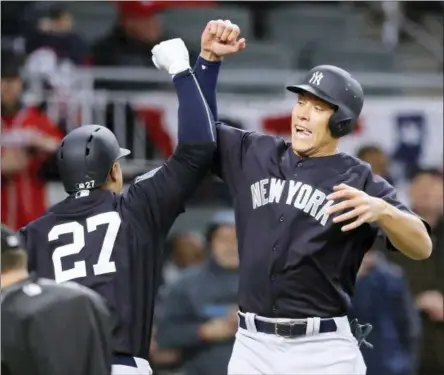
column 271, row 78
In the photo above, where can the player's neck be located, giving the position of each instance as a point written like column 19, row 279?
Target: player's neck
column 13, row 277
column 111, row 187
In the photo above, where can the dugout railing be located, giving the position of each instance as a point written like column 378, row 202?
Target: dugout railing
column 106, row 96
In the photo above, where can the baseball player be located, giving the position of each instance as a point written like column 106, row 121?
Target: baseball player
column 49, row 328
column 305, row 215
column 110, row 242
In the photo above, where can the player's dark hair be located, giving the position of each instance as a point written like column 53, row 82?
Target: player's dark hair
column 368, row 149
column 209, row 234
column 11, row 64
column 419, row 171
column 220, row 218
column 171, row 242
column 14, row 260
column 57, row 11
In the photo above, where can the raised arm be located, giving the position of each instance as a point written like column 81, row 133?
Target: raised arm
column 159, row 195
column 220, row 39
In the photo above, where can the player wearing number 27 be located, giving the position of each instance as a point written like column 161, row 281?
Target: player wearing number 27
column 109, row 241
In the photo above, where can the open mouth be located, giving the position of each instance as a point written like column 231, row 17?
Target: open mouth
column 302, row 132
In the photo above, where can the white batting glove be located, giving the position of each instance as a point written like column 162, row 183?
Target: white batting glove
column 171, row 55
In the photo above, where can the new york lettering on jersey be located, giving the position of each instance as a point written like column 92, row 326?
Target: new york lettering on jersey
column 296, row 261
column 287, row 238
column 294, row 193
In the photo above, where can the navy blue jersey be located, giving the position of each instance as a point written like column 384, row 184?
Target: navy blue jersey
column 111, row 242
column 294, row 261
column 54, row 329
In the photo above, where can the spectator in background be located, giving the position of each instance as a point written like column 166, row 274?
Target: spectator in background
column 383, row 298
column 55, row 50
column 378, row 160
column 184, row 250
column 138, row 29
column 28, row 139
column 425, row 277
column 164, row 361
column 200, row 310
column 54, row 32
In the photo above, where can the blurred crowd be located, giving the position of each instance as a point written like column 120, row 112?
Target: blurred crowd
column 196, row 312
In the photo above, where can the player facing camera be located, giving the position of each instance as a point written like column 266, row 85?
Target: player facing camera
column 306, row 214
column 329, row 102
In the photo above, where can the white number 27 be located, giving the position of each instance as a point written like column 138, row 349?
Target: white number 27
column 104, row 265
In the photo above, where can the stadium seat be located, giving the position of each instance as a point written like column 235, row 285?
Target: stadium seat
column 307, row 24
column 361, row 56
column 188, row 22
column 92, row 19
column 262, row 55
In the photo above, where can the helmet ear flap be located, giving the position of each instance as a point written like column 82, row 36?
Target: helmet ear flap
column 341, row 124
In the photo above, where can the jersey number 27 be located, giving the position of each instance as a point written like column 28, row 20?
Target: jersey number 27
column 104, row 264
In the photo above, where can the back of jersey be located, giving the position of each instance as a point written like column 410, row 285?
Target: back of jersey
column 88, row 239
column 38, row 315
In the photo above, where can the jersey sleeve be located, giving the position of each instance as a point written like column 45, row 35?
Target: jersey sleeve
column 232, row 146
column 159, row 196
column 377, row 186
column 207, row 73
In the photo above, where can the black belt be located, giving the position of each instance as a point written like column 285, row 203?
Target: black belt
column 289, row 329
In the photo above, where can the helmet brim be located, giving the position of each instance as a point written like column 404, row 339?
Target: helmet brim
column 123, row 152
column 297, row 89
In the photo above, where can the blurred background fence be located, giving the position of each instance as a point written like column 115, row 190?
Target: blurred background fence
column 73, row 63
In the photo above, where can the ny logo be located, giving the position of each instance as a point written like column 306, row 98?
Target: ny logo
column 316, row 78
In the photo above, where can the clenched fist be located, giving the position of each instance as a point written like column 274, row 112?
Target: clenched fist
column 220, row 38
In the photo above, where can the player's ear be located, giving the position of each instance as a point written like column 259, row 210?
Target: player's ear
column 113, row 174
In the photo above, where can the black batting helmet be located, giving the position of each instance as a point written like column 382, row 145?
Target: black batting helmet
column 338, row 88
column 86, row 156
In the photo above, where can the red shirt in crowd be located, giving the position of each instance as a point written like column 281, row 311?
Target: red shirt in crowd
column 23, row 193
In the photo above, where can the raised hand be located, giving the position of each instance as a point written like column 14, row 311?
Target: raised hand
column 171, row 55
column 219, row 39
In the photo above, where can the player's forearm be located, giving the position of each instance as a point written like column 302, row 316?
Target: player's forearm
column 406, row 232
column 206, row 70
column 196, row 122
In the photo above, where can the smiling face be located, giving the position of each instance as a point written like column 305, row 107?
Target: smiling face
column 310, row 135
